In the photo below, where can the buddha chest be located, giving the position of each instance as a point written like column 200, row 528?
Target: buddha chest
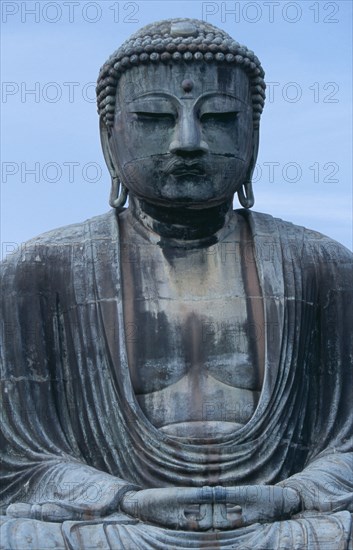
column 194, row 333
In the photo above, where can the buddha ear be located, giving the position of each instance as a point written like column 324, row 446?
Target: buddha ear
column 256, row 140
column 104, row 135
column 118, row 192
column 245, row 193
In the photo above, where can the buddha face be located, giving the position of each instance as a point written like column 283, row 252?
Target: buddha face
column 182, row 134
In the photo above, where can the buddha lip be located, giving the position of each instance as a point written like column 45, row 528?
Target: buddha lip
column 187, row 172
column 185, row 168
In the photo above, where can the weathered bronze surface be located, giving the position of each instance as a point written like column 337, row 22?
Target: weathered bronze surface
column 176, row 373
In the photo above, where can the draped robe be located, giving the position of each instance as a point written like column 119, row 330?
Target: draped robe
column 71, row 423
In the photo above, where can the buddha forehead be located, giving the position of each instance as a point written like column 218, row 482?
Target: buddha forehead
column 185, row 82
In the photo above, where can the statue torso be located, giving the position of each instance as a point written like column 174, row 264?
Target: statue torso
column 194, row 330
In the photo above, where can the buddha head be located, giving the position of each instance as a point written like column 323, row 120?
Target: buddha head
column 180, row 105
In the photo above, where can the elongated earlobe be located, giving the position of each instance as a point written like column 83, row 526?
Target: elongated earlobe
column 118, row 191
column 245, row 193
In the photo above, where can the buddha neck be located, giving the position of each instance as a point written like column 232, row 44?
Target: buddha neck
column 184, row 227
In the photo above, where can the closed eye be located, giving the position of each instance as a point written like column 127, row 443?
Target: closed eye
column 150, row 116
column 229, row 116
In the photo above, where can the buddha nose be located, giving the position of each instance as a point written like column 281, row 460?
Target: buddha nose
column 187, row 137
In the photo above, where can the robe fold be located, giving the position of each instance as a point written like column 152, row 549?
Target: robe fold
column 72, row 428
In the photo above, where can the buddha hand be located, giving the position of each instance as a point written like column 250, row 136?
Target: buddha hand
column 198, row 509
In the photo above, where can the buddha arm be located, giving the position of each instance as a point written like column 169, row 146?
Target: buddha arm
column 67, row 490
column 326, row 484
column 41, row 437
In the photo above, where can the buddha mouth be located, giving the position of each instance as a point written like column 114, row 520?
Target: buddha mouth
column 182, row 172
column 185, row 168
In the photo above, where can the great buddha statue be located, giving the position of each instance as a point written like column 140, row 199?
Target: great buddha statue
column 176, row 373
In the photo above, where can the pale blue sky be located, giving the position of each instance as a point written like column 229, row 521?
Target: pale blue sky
column 306, row 142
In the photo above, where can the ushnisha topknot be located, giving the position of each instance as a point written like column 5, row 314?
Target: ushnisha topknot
column 178, row 40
